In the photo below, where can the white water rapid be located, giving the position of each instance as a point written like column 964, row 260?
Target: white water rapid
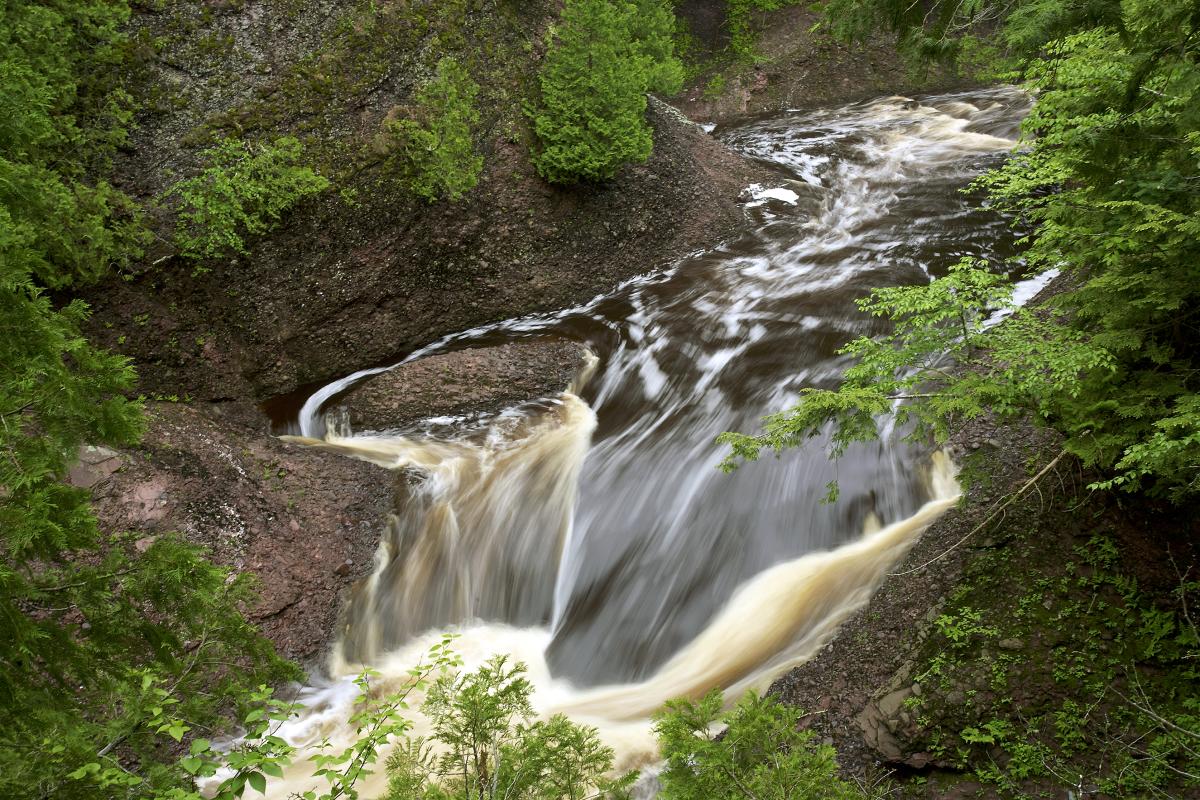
column 590, row 535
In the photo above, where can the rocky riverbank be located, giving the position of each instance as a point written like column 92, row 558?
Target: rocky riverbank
column 1036, row 640
column 795, row 65
column 303, row 521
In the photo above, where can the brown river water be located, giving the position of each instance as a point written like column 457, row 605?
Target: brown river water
column 591, row 535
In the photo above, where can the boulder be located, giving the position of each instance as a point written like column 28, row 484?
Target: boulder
column 483, row 380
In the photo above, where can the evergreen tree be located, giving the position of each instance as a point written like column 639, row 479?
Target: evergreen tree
column 604, row 56
column 653, row 24
column 98, row 642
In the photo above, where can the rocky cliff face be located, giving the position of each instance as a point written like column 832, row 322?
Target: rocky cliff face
column 796, row 64
column 359, row 276
column 304, row 521
column 368, row 273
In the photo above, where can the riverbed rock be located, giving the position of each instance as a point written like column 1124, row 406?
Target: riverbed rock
column 93, row 465
column 304, row 521
column 481, row 380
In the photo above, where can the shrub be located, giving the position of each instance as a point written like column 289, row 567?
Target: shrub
column 435, row 146
column 243, row 190
column 760, row 755
column 488, row 745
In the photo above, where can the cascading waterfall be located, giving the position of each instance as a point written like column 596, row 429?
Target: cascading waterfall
column 590, row 535
column 480, row 531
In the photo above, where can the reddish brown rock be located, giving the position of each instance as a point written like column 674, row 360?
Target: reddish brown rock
column 304, row 521
column 476, row 381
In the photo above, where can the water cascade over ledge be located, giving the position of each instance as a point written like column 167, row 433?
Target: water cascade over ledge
column 590, row 536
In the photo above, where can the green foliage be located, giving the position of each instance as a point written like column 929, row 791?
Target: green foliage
column 604, row 56
column 653, row 27
column 242, row 191
column 104, row 649
column 434, row 145
column 714, row 87
column 1107, row 180
column 59, row 126
column 761, row 754
column 261, row 754
column 932, row 324
column 484, row 744
column 1108, row 702
column 378, row 722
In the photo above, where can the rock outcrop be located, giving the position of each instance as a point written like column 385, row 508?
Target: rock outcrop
column 482, row 380
column 304, row 521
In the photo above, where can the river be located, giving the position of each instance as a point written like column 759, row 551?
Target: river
column 592, row 536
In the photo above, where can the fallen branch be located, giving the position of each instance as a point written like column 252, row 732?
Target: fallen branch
column 1011, row 499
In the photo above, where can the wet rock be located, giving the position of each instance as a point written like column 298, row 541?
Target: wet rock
column 467, row 382
column 876, row 734
column 890, row 703
column 1010, row 644
column 239, row 493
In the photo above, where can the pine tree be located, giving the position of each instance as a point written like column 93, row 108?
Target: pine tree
column 653, row 30
column 604, row 56
column 94, row 655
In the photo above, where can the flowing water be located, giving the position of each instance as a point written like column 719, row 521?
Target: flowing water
column 591, row 535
